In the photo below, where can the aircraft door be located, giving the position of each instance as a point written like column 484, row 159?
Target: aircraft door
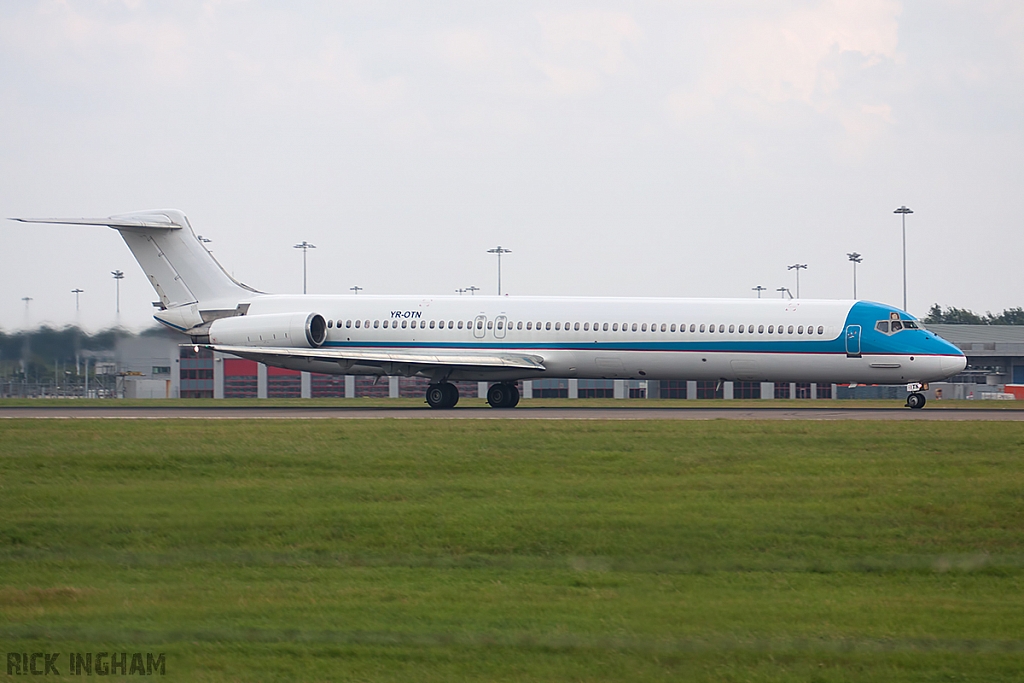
column 499, row 326
column 479, row 326
column 853, row 341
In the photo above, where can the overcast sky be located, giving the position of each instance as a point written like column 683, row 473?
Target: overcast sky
column 658, row 149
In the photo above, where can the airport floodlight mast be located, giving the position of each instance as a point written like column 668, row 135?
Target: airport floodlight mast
column 118, row 276
column 304, row 247
column 472, row 290
column 785, row 291
column 855, row 258
column 76, row 291
column 904, row 211
column 499, row 250
column 797, row 267
column 759, row 289
column 356, row 289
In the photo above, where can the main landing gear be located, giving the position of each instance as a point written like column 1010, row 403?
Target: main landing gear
column 503, row 395
column 444, row 395
column 915, row 401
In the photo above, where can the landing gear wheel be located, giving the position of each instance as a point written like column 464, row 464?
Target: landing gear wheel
column 916, row 401
column 503, row 396
column 444, row 395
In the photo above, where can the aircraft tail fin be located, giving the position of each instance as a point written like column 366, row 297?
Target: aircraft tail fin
column 178, row 265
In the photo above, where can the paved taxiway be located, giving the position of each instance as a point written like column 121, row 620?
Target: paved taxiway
column 113, row 411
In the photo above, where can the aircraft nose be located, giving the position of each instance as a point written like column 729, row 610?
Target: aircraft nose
column 953, row 365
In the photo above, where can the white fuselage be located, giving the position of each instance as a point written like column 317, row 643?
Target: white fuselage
column 692, row 339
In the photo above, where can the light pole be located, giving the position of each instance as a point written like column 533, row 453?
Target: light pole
column 76, row 291
column 499, row 250
column 759, row 289
column 904, row 211
column 118, row 276
column 472, row 290
column 785, row 291
column 855, row 258
column 356, row 289
column 304, row 247
column 797, row 267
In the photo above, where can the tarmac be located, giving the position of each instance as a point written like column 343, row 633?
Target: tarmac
column 105, row 410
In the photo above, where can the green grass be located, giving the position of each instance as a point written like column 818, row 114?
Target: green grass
column 403, row 550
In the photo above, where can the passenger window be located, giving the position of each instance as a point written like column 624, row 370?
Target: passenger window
column 605, row 327
column 490, row 324
column 895, row 326
column 673, row 328
column 460, row 325
column 740, row 330
column 500, row 325
column 406, row 324
column 663, row 327
column 800, row 330
column 586, row 327
column 359, row 323
column 529, row 325
column 821, row 329
column 760, row 329
column 711, row 328
column 576, row 327
column 558, row 326
column 330, row 324
column 693, row 328
column 771, row 329
column 479, row 324
column 376, row 324
column 791, row 329
column 882, row 326
column 634, row 327
column 615, row 327
column 732, row 328
column 547, row 326
column 701, row 327
column 643, row 328
column 431, row 324
column 519, row 325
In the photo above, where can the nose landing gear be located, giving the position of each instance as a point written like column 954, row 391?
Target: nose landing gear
column 916, row 399
column 444, row 395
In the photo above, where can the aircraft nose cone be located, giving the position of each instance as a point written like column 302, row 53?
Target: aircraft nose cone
column 953, row 365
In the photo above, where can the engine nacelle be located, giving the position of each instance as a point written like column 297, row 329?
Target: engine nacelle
column 293, row 330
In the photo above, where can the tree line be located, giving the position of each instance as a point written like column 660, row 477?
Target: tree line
column 963, row 316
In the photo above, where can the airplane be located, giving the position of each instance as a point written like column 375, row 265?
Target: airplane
column 502, row 340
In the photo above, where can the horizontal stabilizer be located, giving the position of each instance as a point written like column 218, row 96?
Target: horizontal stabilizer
column 136, row 222
column 418, row 357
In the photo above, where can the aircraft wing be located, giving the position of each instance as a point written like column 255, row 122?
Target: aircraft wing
column 423, row 358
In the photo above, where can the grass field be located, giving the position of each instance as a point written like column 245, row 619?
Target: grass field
column 486, row 550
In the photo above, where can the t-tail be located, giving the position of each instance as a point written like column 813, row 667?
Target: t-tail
column 193, row 288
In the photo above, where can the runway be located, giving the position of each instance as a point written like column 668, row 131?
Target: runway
column 63, row 410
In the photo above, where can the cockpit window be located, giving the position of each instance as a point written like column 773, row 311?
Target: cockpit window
column 892, row 326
